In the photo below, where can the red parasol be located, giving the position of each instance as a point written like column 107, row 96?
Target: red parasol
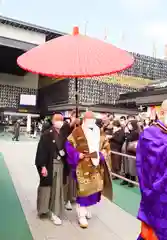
column 75, row 56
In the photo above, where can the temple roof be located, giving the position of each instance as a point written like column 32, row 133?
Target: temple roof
column 30, row 27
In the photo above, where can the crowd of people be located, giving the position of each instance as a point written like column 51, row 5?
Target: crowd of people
column 112, row 135
column 36, row 129
column 75, row 159
column 123, row 135
column 146, row 141
column 71, row 164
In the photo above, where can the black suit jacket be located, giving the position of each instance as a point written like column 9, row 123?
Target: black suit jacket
column 49, row 147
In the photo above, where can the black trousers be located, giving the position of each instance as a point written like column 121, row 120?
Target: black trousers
column 15, row 137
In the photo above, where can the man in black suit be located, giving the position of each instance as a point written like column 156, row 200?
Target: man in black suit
column 53, row 169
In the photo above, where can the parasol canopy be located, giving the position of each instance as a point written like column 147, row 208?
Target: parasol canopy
column 75, row 56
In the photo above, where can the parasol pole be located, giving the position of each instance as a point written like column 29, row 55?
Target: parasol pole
column 76, row 97
column 75, row 33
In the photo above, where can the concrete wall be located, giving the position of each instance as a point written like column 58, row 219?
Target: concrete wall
column 28, row 81
column 46, row 81
column 52, row 94
column 21, row 34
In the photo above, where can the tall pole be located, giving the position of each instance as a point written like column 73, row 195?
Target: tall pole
column 86, row 25
column 165, row 52
column 154, row 53
column 105, row 34
column 122, row 40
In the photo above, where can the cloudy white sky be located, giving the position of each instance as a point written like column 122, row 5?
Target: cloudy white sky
column 135, row 25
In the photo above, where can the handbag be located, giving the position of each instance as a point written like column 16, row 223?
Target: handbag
column 131, row 147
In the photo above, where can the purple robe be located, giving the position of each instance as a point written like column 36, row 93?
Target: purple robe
column 72, row 159
column 140, row 238
column 151, row 162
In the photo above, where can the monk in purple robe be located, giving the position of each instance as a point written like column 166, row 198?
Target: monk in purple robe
column 151, row 160
column 86, row 152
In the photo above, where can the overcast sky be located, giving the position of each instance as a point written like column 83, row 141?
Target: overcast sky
column 136, row 25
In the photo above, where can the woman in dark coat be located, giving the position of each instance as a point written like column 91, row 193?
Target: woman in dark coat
column 116, row 142
column 130, row 149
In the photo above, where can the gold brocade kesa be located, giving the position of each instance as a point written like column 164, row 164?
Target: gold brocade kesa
column 90, row 179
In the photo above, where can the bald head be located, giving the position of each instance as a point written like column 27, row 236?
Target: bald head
column 57, row 121
column 89, row 115
column 57, row 117
column 163, row 115
column 164, row 105
column 89, row 120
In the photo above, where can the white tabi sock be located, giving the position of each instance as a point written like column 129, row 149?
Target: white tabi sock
column 81, row 211
column 88, row 213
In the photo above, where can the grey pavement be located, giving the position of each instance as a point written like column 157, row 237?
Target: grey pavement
column 109, row 222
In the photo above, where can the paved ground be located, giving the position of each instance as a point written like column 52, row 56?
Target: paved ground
column 109, row 221
column 126, row 198
column 13, row 222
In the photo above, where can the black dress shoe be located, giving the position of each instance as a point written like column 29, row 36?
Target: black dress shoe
column 115, row 178
column 43, row 215
column 123, row 183
column 130, row 185
column 133, row 178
